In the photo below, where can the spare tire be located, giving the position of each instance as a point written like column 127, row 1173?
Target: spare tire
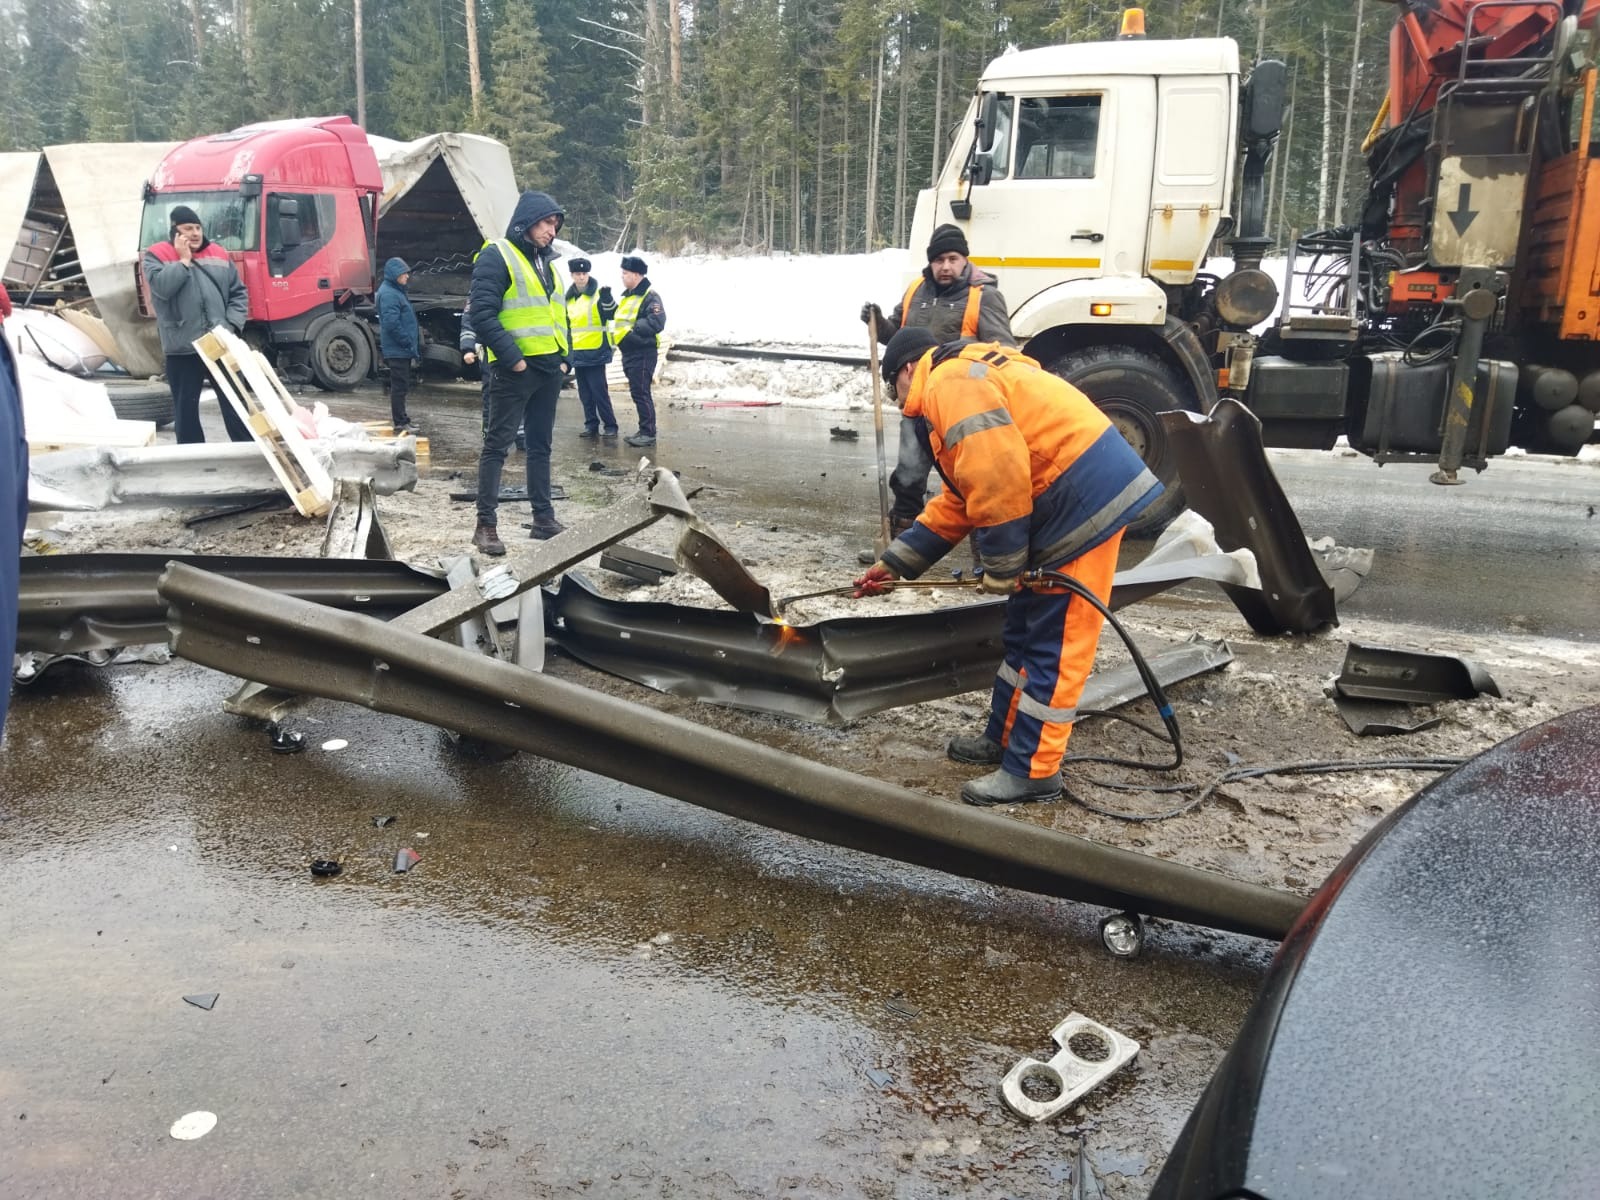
column 141, row 400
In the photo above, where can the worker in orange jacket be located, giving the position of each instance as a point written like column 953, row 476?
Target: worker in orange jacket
column 1040, row 478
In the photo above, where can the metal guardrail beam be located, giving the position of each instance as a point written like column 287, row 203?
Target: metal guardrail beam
column 72, row 603
column 231, row 626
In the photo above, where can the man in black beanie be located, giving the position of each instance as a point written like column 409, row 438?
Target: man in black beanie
column 194, row 287
column 636, row 331
column 951, row 299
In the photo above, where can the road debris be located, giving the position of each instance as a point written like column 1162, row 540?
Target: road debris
column 192, row 1126
column 335, row 744
column 207, row 1001
column 1090, row 1054
column 1377, row 687
column 284, row 741
column 405, row 859
column 382, row 822
column 326, row 868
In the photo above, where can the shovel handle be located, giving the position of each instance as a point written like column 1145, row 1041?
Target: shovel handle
column 882, row 542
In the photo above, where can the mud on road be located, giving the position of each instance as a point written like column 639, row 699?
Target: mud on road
column 587, row 989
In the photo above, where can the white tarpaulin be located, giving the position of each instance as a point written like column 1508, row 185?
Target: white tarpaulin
column 480, row 167
column 17, row 172
column 102, row 189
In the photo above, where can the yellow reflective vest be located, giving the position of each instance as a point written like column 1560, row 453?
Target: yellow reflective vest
column 627, row 317
column 535, row 318
column 583, row 318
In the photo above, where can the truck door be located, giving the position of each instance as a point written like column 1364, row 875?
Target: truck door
column 1069, row 197
column 1194, row 162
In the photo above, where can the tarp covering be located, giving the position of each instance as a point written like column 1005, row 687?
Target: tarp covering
column 479, row 166
column 17, row 172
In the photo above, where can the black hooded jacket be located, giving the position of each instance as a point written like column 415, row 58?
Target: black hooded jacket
column 491, row 277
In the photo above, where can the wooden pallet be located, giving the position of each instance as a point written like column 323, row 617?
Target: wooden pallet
column 247, row 381
column 384, row 430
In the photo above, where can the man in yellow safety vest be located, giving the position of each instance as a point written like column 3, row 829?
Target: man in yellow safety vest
column 589, row 308
column 519, row 316
column 636, row 331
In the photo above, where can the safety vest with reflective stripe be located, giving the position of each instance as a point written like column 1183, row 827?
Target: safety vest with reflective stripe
column 969, row 315
column 536, row 319
column 1031, row 467
column 583, row 317
column 628, row 316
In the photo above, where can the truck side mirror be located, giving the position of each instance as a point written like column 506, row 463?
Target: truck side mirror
column 982, row 169
column 988, row 109
column 1265, row 95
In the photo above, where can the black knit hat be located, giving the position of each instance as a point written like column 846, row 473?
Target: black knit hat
column 945, row 239
column 635, row 264
column 907, row 345
column 182, row 214
column 579, row 265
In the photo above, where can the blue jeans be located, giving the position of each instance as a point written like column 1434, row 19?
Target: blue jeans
column 526, row 400
column 595, row 398
column 640, row 369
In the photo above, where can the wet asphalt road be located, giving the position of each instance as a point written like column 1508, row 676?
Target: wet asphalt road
column 583, row 988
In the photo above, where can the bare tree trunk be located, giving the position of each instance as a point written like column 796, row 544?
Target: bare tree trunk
column 796, row 214
column 474, row 69
column 361, row 71
column 1327, row 132
column 872, row 152
column 652, row 49
column 243, row 24
column 844, row 178
column 816, row 191
column 675, row 46
column 199, row 30
column 1261, row 28
column 1222, row 7
column 900, row 131
column 938, row 105
column 1349, row 115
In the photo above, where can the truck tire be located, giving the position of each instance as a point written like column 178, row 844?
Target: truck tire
column 341, row 355
column 1134, row 388
column 141, row 401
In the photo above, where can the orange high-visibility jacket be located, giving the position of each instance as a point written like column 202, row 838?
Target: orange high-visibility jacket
column 1031, row 468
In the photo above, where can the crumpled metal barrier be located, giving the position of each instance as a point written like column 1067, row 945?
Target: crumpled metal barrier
column 837, row 670
column 1229, row 482
column 75, row 603
column 231, row 626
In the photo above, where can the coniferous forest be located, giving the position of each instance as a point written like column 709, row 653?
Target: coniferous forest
column 732, row 125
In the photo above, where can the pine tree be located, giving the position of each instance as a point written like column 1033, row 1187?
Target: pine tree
column 518, row 109
column 55, row 36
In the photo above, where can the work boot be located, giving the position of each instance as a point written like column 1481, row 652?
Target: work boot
column 589, row 435
column 487, row 538
column 545, row 528
column 975, row 749
column 998, row 787
column 611, row 433
column 641, row 439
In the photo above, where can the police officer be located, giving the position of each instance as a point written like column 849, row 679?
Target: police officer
column 589, row 308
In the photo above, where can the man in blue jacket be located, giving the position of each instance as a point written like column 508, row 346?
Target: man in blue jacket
column 519, row 315
column 13, row 502
column 398, row 337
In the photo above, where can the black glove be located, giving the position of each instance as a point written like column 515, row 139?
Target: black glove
column 605, row 296
column 871, row 316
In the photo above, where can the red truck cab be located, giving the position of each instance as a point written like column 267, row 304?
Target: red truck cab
column 295, row 204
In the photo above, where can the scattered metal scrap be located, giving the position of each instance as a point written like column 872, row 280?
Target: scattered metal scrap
column 234, row 627
column 1377, row 687
column 1229, row 482
column 1070, row 1075
column 354, row 530
column 208, row 1001
column 637, row 564
column 836, row 671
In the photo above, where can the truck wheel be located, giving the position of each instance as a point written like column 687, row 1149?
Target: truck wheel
column 341, row 356
column 1133, row 389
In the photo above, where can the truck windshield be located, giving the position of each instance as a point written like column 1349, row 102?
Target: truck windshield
column 229, row 219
